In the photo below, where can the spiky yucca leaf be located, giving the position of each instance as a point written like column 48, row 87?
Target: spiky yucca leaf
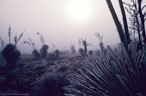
column 111, row 74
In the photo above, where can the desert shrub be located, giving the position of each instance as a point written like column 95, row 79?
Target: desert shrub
column 57, row 53
column 81, row 50
column 73, row 50
column 101, row 44
column 50, row 85
column 54, row 55
column 11, row 55
column 112, row 74
column 35, row 54
column 90, row 52
column 44, row 51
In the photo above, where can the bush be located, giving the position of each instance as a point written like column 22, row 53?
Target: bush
column 43, row 51
column 81, row 50
column 35, row 54
column 50, row 85
column 11, row 55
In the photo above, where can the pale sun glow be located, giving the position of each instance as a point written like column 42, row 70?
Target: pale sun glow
column 79, row 10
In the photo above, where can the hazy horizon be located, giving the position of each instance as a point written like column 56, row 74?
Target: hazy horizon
column 59, row 21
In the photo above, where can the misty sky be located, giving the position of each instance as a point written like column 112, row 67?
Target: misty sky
column 61, row 22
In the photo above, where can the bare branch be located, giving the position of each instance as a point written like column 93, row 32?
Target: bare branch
column 133, row 28
column 143, row 7
column 126, row 4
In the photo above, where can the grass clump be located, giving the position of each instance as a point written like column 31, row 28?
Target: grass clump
column 50, row 85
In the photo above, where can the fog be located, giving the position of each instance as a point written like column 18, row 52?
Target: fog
column 51, row 18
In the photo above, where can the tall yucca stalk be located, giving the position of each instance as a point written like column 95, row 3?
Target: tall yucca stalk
column 117, row 22
column 9, row 34
column 124, row 21
column 111, row 74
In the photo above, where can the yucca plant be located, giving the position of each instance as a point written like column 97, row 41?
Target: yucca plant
column 111, row 74
column 83, row 50
column 45, row 47
column 101, row 44
column 10, row 52
column 35, row 52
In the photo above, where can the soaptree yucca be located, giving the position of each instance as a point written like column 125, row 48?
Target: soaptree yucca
column 111, row 74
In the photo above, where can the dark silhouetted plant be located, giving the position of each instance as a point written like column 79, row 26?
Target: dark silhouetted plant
column 73, row 50
column 50, row 85
column 81, row 50
column 117, row 23
column 84, row 42
column 90, row 52
column 11, row 55
column 10, row 52
column 35, row 52
column 101, row 44
column 126, row 29
column 9, row 34
column 44, row 51
column 57, row 53
column 41, row 38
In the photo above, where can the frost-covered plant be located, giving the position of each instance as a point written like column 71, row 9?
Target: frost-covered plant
column 111, row 74
column 50, row 85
